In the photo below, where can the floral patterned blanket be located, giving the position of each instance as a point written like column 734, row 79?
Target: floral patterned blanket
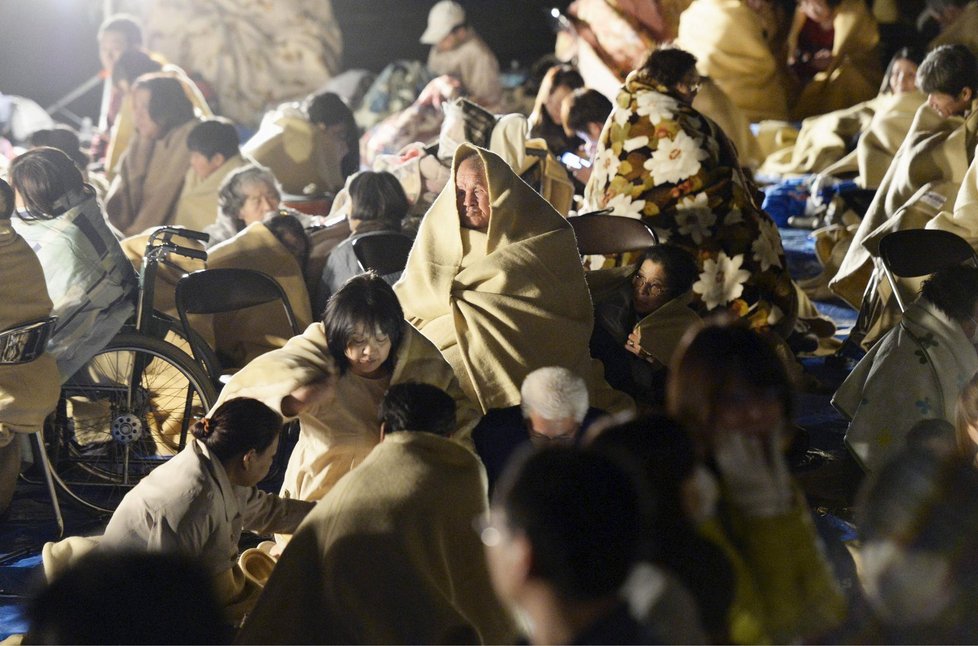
column 664, row 162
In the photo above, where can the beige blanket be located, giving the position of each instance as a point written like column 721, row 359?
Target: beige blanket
column 336, row 437
column 197, row 206
column 144, row 193
column 935, row 151
column 521, row 306
column 245, row 334
column 28, row 392
column 389, row 557
column 881, row 140
column 733, row 45
column 854, row 74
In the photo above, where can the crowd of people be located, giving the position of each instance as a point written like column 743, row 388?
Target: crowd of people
column 502, row 440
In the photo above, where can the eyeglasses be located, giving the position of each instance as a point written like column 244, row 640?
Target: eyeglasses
column 655, row 288
column 541, row 439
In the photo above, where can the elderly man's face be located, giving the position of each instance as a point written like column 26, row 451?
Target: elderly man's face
column 260, row 198
column 472, row 195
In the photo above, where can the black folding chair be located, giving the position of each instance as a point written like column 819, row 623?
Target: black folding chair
column 385, row 253
column 921, row 252
column 600, row 233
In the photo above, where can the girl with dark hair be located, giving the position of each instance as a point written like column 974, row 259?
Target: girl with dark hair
column 334, row 376
column 199, row 502
column 729, row 388
column 90, row 280
column 377, row 206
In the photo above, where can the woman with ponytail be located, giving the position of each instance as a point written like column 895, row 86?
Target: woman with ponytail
column 200, row 501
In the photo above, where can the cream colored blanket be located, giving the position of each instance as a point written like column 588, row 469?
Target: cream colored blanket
column 336, row 437
column 389, row 557
column 854, row 74
column 245, row 334
column 936, row 150
column 29, row 391
column 522, row 305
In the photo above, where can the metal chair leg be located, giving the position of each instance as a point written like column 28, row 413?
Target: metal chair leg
column 41, row 456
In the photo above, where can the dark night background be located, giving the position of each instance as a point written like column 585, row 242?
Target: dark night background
column 49, row 47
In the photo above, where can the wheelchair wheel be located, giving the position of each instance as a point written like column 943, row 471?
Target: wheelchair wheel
column 124, row 413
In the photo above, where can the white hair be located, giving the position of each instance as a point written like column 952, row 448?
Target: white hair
column 554, row 393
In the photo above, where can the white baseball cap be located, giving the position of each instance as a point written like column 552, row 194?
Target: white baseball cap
column 442, row 19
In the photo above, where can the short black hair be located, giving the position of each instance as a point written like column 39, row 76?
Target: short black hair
column 953, row 290
column 948, row 69
column 582, row 513
column 367, row 300
column 584, row 106
column 327, row 109
column 237, row 426
column 125, row 24
column 378, row 195
column 72, row 609
column 289, row 231
column 65, row 139
column 418, row 407
column 215, row 136
column 678, row 264
column 6, row 200
column 668, row 66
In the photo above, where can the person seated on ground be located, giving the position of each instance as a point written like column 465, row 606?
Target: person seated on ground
column 311, row 147
column 214, row 154
column 173, row 602
column 825, row 140
column 279, row 248
column 924, row 178
column 363, row 344
column 553, row 409
column 378, row 205
column 685, row 494
column 563, row 533
column 489, row 286
column 742, row 47
column 198, row 502
column 583, row 114
column 29, row 378
column 917, row 529
column 914, row 372
column 90, row 280
column 728, row 386
column 833, row 50
column 389, row 555
column 676, row 170
column 66, row 140
column 130, row 66
column 144, row 194
column 641, row 314
column 957, row 22
column 559, row 82
column 458, row 51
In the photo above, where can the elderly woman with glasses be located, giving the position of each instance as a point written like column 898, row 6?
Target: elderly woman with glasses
column 641, row 314
column 661, row 160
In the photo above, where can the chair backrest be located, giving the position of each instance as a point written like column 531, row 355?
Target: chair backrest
column 606, row 234
column 920, row 252
column 385, row 253
column 211, row 291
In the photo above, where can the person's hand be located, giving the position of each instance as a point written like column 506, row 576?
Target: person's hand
column 440, row 89
column 634, row 345
column 755, row 472
column 822, row 60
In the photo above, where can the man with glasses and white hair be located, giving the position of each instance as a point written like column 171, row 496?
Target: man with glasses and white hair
column 554, row 410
